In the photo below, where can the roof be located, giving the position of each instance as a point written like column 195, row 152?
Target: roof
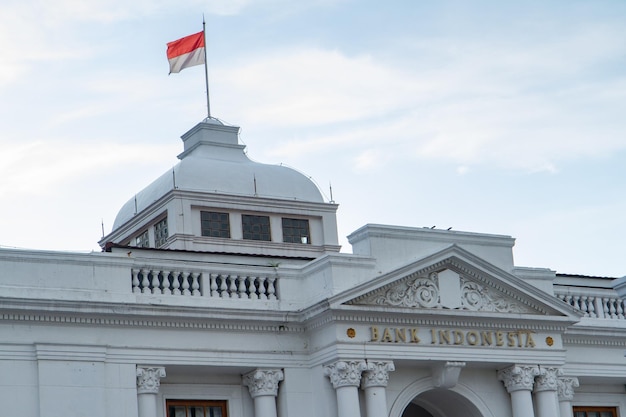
column 214, row 162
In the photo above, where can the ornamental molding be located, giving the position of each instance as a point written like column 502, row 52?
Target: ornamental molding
column 132, row 322
column 565, row 387
column 547, row 380
column 371, row 317
column 449, row 285
column 446, row 375
column 377, row 374
column 262, row 382
column 518, row 377
column 346, row 373
column 149, row 379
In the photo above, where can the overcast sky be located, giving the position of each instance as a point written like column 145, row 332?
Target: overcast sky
column 486, row 116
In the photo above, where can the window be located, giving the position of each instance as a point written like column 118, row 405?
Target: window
column 160, row 233
column 595, row 411
column 196, row 408
column 296, row 231
column 215, row 224
column 142, row 240
column 256, row 227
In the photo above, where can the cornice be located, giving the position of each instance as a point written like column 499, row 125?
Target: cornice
column 123, row 315
column 428, row 319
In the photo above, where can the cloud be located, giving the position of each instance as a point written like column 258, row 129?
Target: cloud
column 40, row 167
column 505, row 103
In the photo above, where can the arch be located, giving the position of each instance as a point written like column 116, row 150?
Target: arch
column 461, row 392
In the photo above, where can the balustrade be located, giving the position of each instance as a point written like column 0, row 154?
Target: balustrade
column 601, row 306
column 195, row 283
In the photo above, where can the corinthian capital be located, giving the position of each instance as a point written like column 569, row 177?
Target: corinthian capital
column 377, row 374
column 518, row 377
column 345, row 373
column 566, row 385
column 149, row 379
column 263, row 382
column 547, row 379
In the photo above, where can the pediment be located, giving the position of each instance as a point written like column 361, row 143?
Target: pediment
column 456, row 280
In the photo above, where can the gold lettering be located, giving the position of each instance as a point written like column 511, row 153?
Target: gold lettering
column 529, row 339
column 444, row 336
column 400, row 335
column 387, row 336
column 486, row 338
column 375, row 334
column 499, row 339
column 414, row 338
column 458, row 337
column 433, row 337
column 519, row 338
column 472, row 338
column 511, row 340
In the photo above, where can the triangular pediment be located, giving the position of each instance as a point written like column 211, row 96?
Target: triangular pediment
column 455, row 280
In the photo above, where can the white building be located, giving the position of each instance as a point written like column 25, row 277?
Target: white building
column 221, row 290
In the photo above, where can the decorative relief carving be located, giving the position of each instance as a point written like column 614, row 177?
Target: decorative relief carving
column 547, row 379
column 345, row 373
column 420, row 292
column 377, row 374
column 565, row 387
column 424, row 292
column 149, row 379
column 478, row 297
column 516, row 378
column 263, row 382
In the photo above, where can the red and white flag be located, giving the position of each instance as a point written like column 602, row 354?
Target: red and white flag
column 186, row 52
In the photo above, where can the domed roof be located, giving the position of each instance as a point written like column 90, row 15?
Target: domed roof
column 214, row 162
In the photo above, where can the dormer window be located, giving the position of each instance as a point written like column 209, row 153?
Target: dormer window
column 142, row 241
column 160, row 233
column 256, row 227
column 296, row 231
column 215, row 224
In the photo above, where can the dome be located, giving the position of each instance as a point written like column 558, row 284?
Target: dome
column 214, row 162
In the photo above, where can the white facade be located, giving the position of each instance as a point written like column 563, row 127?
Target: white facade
column 265, row 318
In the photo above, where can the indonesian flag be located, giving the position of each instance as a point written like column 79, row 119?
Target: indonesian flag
column 186, row 52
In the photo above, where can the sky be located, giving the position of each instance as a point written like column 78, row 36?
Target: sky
column 501, row 117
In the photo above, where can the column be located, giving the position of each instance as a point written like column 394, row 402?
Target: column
column 148, row 383
column 263, row 387
column 374, row 383
column 546, row 391
column 519, row 380
column 346, row 377
column 565, row 389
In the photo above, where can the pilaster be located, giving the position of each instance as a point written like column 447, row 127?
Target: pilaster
column 148, row 383
column 345, row 375
column 565, row 390
column 518, row 381
column 374, row 383
column 263, row 387
column 546, row 384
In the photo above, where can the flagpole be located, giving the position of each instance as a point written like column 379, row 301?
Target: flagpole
column 206, row 70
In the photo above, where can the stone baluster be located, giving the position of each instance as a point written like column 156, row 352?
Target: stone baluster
column 148, row 383
column 213, row 285
column 263, row 387
column 195, row 283
column 346, row 378
column 565, row 387
column 374, row 383
column 135, row 274
column 546, row 398
column 271, row 288
column 223, row 287
column 519, row 380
